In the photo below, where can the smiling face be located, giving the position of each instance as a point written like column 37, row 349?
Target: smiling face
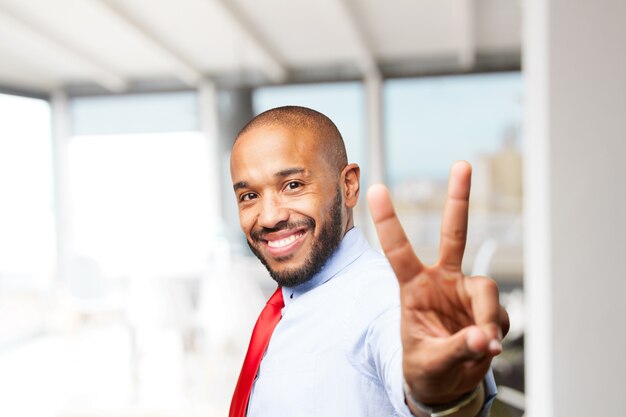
column 294, row 205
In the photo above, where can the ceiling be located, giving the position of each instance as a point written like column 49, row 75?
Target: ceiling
column 124, row 45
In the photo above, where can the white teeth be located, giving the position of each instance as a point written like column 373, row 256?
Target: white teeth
column 283, row 242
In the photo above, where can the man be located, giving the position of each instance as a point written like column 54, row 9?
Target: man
column 345, row 343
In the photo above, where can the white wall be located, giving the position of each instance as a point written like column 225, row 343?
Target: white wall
column 575, row 75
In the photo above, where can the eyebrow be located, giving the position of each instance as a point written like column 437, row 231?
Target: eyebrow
column 239, row 185
column 280, row 174
column 289, row 171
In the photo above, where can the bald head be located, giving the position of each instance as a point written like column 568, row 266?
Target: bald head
column 326, row 134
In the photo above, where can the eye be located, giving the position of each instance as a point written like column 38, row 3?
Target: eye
column 292, row 185
column 247, row 196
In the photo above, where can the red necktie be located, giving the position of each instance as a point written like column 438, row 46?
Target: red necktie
column 265, row 324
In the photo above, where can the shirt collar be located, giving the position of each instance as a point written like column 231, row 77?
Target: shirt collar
column 350, row 248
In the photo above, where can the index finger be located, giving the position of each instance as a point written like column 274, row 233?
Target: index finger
column 393, row 240
column 454, row 222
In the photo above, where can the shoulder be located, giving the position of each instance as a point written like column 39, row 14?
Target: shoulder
column 373, row 289
column 374, row 280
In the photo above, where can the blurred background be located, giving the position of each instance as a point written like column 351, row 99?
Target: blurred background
column 126, row 286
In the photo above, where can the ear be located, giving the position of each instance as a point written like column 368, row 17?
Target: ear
column 351, row 177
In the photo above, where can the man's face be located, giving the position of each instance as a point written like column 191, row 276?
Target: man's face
column 290, row 201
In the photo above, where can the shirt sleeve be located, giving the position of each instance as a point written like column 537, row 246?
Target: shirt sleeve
column 385, row 351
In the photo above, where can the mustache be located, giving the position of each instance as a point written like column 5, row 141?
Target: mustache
column 257, row 235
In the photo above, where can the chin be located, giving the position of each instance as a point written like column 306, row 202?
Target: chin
column 289, row 278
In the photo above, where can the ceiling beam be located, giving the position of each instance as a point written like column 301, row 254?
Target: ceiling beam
column 19, row 77
column 366, row 61
column 29, row 92
column 276, row 70
column 183, row 69
column 99, row 72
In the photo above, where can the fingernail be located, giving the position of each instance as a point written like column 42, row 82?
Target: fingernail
column 495, row 346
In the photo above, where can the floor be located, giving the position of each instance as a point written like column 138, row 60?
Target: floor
column 95, row 373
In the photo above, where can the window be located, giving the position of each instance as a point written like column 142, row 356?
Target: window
column 140, row 202
column 431, row 122
column 139, row 172
column 27, row 248
column 26, row 216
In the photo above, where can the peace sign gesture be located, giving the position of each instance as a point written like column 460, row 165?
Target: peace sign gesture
column 451, row 324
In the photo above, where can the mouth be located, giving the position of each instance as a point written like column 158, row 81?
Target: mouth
column 284, row 242
column 284, row 245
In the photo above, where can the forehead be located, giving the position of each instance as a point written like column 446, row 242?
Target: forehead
column 266, row 150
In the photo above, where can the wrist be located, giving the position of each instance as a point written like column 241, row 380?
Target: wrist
column 469, row 404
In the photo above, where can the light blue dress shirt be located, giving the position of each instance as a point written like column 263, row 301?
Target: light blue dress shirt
column 337, row 349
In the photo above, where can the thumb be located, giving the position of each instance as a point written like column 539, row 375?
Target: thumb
column 468, row 344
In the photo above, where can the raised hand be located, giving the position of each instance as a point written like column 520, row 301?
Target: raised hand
column 451, row 324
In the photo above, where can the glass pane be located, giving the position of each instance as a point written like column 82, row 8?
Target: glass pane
column 135, row 113
column 26, row 218
column 27, row 247
column 140, row 202
column 431, row 122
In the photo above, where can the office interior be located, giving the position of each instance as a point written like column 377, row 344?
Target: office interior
column 126, row 285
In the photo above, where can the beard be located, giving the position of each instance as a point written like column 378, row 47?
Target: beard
column 322, row 248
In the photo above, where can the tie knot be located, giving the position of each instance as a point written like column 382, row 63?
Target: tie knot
column 277, row 298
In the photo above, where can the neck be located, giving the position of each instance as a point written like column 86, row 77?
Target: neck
column 349, row 224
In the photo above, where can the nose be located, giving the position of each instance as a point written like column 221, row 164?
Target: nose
column 272, row 212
